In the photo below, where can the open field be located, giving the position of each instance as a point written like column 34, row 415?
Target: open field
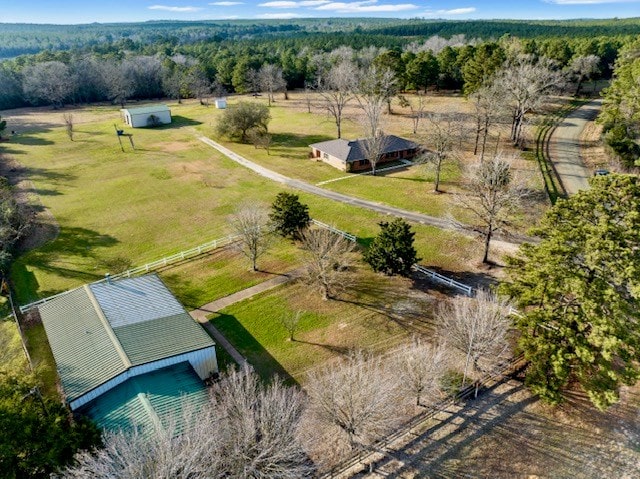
column 375, row 313
column 116, row 209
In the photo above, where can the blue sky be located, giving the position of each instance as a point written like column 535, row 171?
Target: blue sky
column 87, row 11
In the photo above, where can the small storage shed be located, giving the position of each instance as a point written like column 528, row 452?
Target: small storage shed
column 221, row 103
column 146, row 116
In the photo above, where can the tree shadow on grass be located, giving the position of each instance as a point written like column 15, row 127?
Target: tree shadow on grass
column 264, row 363
column 72, row 242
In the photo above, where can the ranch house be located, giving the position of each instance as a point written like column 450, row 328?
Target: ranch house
column 127, row 352
column 350, row 155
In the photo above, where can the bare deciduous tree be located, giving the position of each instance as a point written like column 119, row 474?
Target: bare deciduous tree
column 68, row 124
column 118, row 84
column 375, row 90
column 258, row 428
column 440, row 142
column 291, row 323
column 492, row 197
column 417, row 110
column 358, row 398
column 250, row 224
column 421, row 367
column 337, row 86
column 248, row 431
column 487, row 110
column 584, row 68
column 199, row 85
column 271, row 80
column 523, row 84
column 49, row 82
column 477, row 327
column 328, row 258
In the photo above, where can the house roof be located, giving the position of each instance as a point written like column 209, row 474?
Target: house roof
column 147, row 110
column 143, row 400
column 99, row 331
column 353, row 150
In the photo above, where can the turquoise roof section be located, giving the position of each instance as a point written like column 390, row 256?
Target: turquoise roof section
column 143, row 400
column 82, row 347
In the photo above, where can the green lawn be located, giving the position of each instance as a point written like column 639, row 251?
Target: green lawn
column 364, row 318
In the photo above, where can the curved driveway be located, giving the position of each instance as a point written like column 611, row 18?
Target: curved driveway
column 564, row 148
column 332, row 195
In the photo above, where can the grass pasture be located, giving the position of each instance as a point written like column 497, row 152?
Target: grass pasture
column 376, row 313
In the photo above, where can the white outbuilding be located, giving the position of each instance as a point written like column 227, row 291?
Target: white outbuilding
column 221, row 103
column 146, row 116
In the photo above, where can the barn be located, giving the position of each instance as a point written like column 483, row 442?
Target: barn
column 127, row 352
column 151, row 115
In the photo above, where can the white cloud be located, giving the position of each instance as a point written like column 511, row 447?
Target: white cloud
column 457, row 11
column 365, row 6
column 225, row 4
column 588, row 2
column 174, row 9
column 289, row 4
column 283, row 16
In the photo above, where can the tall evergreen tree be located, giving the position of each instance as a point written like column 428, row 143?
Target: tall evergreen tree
column 579, row 290
column 392, row 251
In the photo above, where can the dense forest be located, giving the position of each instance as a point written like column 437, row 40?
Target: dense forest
column 120, row 62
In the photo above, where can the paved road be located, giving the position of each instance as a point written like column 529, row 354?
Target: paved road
column 332, row 195
column 564, row 148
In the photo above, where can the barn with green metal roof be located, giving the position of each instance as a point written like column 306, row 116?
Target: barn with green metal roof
column 127, row 352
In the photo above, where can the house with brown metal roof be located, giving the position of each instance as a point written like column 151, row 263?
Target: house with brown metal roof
column 350, row 155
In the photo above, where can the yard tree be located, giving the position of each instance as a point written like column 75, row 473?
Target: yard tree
column 237, row 121
column 421, row 367
column 68, row 124
column 358, row 398
column 48, row 82
column 392, row 251
column 476, row 327
column 375, row 89
column 250, row 223
column 289, row 216
column 291, row 322
column 336, row 87
column 579, row 293
column 247, row 431
column 440, row 143
column 327, row 261
column 492, row 197
column 480, row 67
column 38, row 434
column 417, row 110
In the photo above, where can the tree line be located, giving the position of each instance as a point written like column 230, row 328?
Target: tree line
column 126, row 70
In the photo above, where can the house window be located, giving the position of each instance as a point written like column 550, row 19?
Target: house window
column 325, row 156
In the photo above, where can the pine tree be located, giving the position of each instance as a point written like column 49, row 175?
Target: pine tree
column 288, row 215
column 579, row 289
column 392, row 251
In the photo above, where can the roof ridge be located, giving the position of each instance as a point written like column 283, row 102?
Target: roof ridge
column 107, row 326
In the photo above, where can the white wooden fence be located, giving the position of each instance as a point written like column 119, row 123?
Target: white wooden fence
column 154, row 265
column 344, row 234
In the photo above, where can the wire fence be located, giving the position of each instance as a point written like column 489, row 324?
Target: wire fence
column 361, row 460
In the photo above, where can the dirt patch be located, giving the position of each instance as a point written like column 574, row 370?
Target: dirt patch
column 44, row 227
column 592, row 150
column 175, row 146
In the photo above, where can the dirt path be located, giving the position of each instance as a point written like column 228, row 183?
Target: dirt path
column 564, row 148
